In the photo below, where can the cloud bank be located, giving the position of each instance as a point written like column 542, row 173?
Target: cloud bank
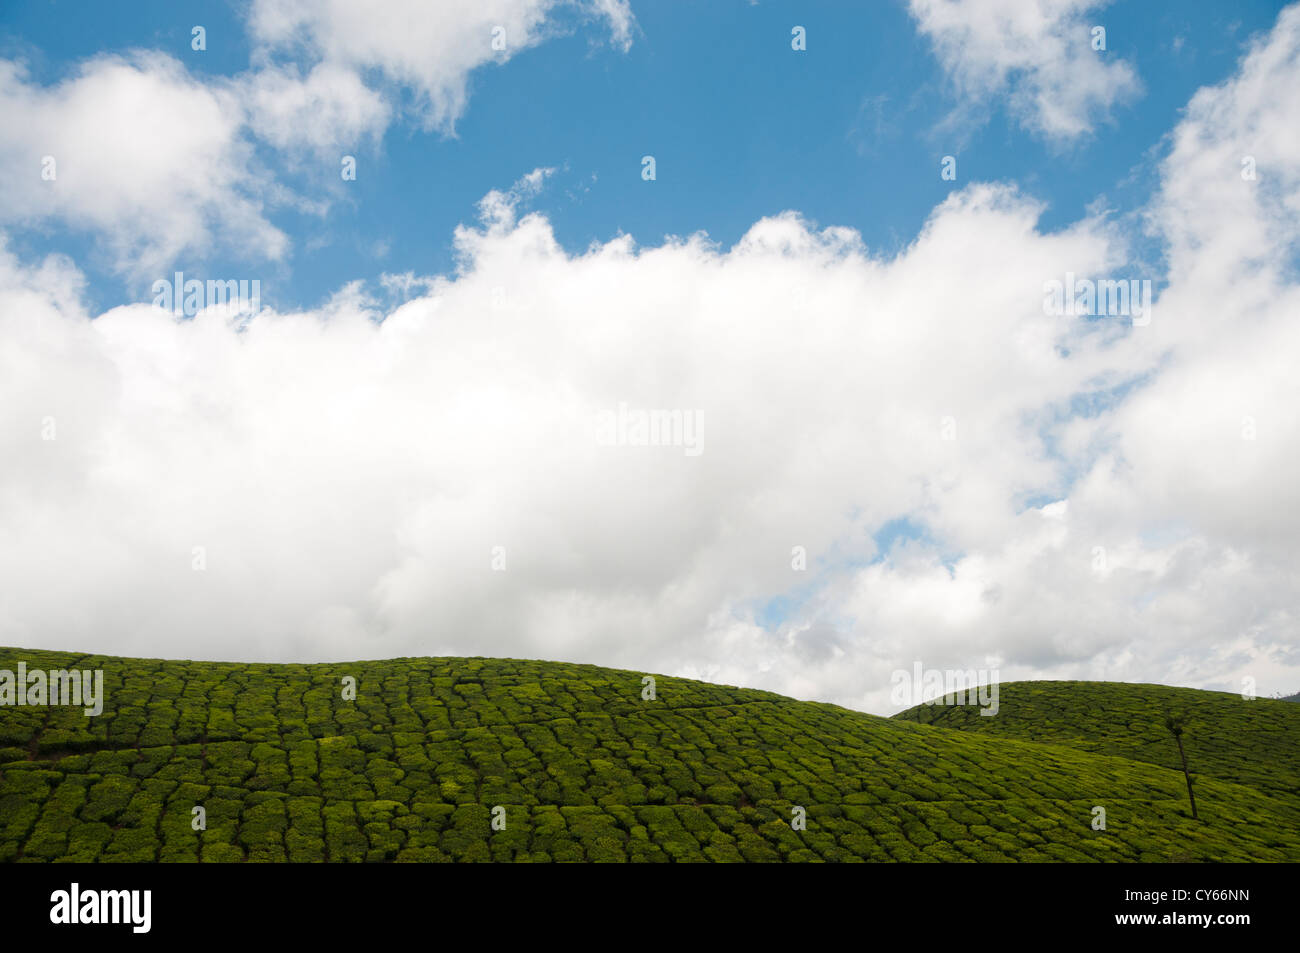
column 902, row 458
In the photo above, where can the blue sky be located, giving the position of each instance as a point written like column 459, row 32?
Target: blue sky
column 849, row 132
column 900, row 452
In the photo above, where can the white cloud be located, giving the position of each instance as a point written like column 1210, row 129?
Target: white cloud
column 145, row 156
column 348, row 478
column 499, row 209
column 157, row 163
column 328, row 111
column 1038, row 53
column 429, row 48
column 1216, row 436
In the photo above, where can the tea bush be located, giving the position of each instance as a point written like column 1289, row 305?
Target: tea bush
column 287, row 769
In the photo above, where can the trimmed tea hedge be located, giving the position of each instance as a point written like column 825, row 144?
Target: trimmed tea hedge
column 1253, row 741
column 580, row 768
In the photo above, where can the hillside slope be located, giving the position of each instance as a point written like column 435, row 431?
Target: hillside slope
column 1254, row 742
column 286, row 769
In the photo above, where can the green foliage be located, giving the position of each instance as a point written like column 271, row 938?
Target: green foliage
column 1254, row 742
column 410, row 771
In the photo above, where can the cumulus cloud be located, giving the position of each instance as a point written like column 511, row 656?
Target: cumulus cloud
column 327, row 110
column 429, row 49
column 1039, row 54
column 348, row 480
column 157, row 163
column 1080, row 498
column 1173, row 558
column 139, row 153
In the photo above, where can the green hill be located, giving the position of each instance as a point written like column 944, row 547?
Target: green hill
column 584, row 768
column 1253, row 742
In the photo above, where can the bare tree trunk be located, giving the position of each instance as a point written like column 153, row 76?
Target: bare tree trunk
column 1187, row 775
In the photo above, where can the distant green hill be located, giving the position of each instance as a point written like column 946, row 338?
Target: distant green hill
column 287, row 769
column 1254, row 742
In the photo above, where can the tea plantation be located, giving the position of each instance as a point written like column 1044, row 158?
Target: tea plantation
column 1254, row 742
column 577, row 766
